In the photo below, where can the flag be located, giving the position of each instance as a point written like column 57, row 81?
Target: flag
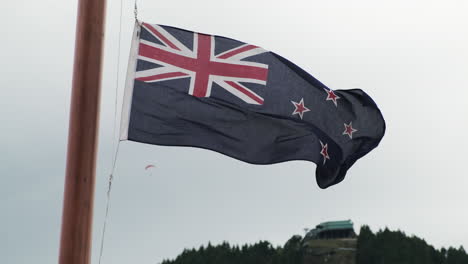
column 191, row 89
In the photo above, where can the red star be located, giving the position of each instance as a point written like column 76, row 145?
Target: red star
column 300, row 108
column 349, row 130
column 332, row 96
column 324, row 152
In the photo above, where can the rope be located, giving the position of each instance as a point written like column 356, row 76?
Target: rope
column 111, row 177
column 135, row 11
column 115, row 149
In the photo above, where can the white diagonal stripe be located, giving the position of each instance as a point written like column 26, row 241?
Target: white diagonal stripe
column 168, row 36
column 189, row 53
column 155, row 71
column 247, row 53
column 238, row 93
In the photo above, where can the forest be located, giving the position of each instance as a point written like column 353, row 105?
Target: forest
column 396, row 247
column 384, row 246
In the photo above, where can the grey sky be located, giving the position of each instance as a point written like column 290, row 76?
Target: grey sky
column 410, row 56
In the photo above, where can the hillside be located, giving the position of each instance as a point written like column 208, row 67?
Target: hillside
column 339, row 251
column 384, row 246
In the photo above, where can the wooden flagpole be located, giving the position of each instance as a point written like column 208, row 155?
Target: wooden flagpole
column 77, row 216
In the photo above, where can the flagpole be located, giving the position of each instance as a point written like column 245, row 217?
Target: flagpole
column 78, row 201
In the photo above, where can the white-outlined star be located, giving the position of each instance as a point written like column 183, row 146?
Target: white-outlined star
column 324, row 152
column 332, row 96
column 300, row 108
column 349, row 130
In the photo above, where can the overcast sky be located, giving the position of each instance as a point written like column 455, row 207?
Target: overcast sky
column 410, row 56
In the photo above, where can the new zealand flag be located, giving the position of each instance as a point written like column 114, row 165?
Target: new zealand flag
column 191, row 89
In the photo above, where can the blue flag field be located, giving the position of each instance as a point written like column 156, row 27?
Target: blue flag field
column 190, row 89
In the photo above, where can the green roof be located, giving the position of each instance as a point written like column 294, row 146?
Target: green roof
column 335, row 225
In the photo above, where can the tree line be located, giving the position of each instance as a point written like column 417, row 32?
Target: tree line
column 382, row 247
column 387, row 246
column 262, row 252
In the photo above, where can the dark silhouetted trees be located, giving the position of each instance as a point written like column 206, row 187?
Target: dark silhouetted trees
column 388, row 247
column 260, row 253
column 383, row 247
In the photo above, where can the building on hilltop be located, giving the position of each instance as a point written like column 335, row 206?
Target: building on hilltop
column 332, row 230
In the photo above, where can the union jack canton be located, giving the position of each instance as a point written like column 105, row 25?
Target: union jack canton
column 201, row 64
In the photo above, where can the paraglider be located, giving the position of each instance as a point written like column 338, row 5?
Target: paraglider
column 149, row 166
